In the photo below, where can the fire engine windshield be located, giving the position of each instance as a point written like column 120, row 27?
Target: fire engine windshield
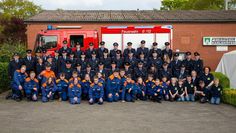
column 48, row 42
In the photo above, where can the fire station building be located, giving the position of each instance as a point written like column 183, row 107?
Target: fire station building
column 211, row 33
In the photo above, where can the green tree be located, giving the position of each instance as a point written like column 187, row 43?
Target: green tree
column 193, row 4
column 22, row 9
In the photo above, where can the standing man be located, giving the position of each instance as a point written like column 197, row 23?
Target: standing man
column 155, row 48
column 188, row 62
column 65, row 48
column 142, row 49
column 167, row 50
column 14, row 65
column 101, row 50
column 114, row 50
column 90, row 50
column 29, row 61
column 129, row 49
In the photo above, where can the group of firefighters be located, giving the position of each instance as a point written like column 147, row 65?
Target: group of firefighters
column 99, row 75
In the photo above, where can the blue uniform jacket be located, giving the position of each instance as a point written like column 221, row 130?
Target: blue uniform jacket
column 96, row 91
column 18, row 78
column 74, row 90
column 31, row 83
column 113, row 84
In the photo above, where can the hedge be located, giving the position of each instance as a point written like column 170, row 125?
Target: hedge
column 4, row 80
column 229, row 96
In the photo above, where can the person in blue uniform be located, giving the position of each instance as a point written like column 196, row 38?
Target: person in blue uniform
column 182, row 73
column 65, row 48
column 88, row 71
column 123, row 79
column 157, row 91
column 17, row 83
column 74, row 92
column 101, row 49
column 197, row 63
column 155, row 48
column 90, row 50
column 128, row 69
column 131, row 59
column 77, row 51
column 175, row 64
column 167, row 50
column 113, row 87
column 79, row 71
column 129, row 91
column 29, row 61
column 165, row 86
column 105, row 59
column 114, row 50
column 82, row 61
column 14, row 65
column 85, row 86
column 156, row 60
column 102, row 70
column 128, row 50
column 142, row 58
column 165, row 71
column 62, row 87
column 141, row 89
column 48, row 90
column 112, row 69
column 190, row 89
column 31, row 87
column 93, row 61
column 40, row 66
column 119, row 59
column 96, row 92
column 142, row 49
column 173, row 89
column 140, row 71
column 216, row 92
column 188, row 62
column 62, row 61
column 68, row 70
column 149, row 84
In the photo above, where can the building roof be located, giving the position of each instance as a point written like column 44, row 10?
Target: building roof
column 133, row 16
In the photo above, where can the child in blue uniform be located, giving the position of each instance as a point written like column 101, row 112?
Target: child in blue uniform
column 48, row 90
column 216, row 91
column 62, row 87
column 141, row 89
column 31, row 87
column 129, row 91
column 113, row 87
column 165, row 85
column 86, row 86
column 96, row 92
column 74, row 92
column 123, row 79
column 157, row 91
column 149, row 84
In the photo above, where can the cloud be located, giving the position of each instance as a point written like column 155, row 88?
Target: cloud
column 99, row 4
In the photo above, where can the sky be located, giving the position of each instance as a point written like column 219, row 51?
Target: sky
column 98, row 4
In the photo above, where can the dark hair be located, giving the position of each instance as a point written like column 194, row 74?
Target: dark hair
column 206, row 67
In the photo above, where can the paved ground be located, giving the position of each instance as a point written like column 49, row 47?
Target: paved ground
column 138, row 117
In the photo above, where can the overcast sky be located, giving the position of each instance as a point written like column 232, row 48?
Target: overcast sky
column 99, row 4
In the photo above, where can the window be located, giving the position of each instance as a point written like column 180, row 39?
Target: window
column 48, row 42
column 74, row 39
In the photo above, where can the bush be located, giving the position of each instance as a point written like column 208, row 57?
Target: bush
column 224, row 80
column 4, row 80
column 229, row 96
column 7, row 50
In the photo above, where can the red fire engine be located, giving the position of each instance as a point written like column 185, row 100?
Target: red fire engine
column 53, row 38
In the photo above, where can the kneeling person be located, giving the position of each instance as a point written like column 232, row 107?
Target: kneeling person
column 96, row 92
column 157, row 91
column 129, row 92
column 74, row 92
column 31, row 87
column 48, row 90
